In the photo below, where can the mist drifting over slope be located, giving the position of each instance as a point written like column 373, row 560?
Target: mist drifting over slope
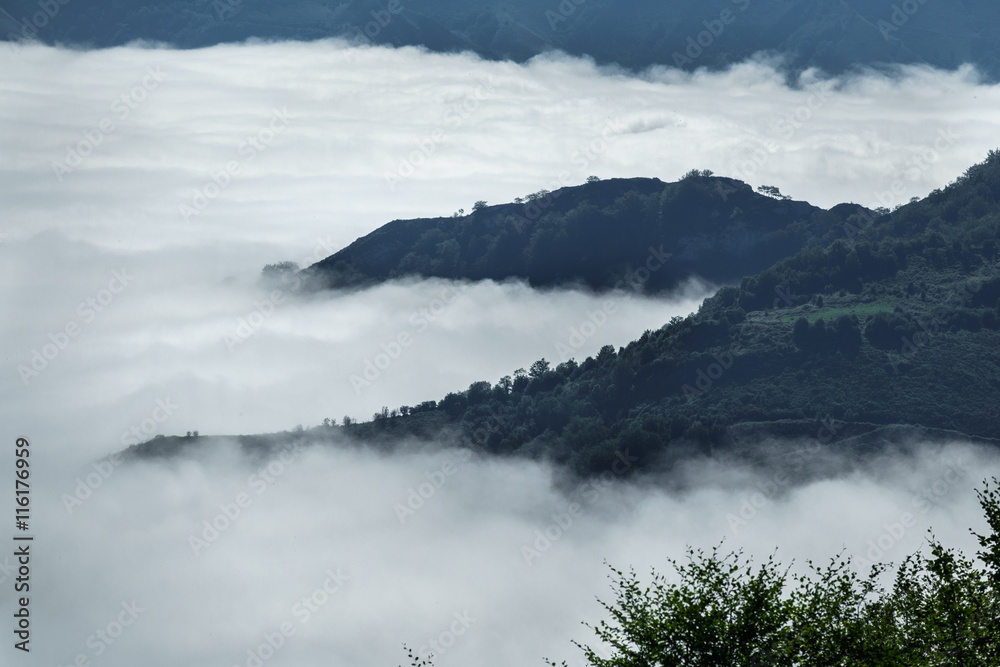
column 477, row 561
column 205, row 165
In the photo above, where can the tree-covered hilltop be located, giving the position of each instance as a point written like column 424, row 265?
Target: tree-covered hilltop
column 889, row 331
column 628, row 233
column 895, row 324
column 689, row 34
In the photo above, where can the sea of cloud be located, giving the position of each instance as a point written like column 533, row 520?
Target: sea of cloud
column 142, row 191
column 334, row 555
column 268, row 149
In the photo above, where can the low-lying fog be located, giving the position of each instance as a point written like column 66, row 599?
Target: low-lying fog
column 349, row 554
column 124, row 313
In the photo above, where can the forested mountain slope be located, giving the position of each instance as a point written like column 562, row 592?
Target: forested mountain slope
column 896, row 324
column 891, row 330
column 600, row 234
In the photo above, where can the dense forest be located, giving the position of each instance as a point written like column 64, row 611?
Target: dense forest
column 894, row 324
column 886, row 324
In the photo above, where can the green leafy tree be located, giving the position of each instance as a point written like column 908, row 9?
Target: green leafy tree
column 415, row 659
column 772, row 191
column 539, row 368
column 943, row 610
column 723, row 613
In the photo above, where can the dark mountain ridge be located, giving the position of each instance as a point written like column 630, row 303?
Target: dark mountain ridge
column 888, row 333
column 836, row 36
column 600, row 234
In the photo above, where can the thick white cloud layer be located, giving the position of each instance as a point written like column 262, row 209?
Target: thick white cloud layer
column 311, row 131
column 130, row 305
column 483, row 557
column 230, row 356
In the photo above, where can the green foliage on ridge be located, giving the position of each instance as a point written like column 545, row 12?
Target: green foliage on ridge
column 896, row 323
column 634, row 234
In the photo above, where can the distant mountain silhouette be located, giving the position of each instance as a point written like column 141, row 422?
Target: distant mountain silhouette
column 635, row 233
column 834, row 35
